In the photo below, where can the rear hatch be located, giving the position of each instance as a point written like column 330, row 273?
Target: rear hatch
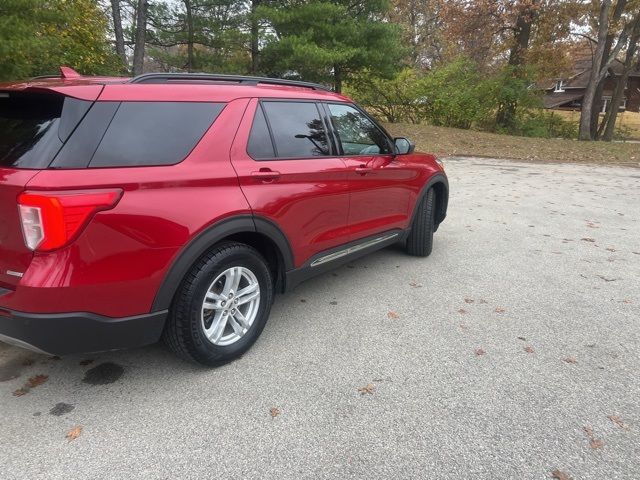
column 33, row 127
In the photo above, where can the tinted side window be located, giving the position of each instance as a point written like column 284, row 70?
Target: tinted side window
column 297, row 128
column 260, row 145
column 358, row 134
column 154, row 133
column 29, row 129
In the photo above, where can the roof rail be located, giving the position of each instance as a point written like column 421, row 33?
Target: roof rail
column 214, row 77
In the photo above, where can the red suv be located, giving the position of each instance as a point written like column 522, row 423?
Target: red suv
column 177, row 205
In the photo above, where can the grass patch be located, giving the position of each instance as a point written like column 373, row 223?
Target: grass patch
column 451, row 141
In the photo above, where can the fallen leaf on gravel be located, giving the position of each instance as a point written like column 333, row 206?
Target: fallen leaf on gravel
column 37, row 380
column 31, row 383
column 528, row 349
column 617, row 420
column 368, row 390
column 74, row 433
column 500, row 310
column 468, row 300
column 606, row 279
column 274, row 412
column 560, row 475
column 570, row 360
column 462, row 311
column 587, row 239
column 393, row 315
column 594, row 443
column 480, row 352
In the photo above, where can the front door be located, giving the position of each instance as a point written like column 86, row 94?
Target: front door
column 379, row 180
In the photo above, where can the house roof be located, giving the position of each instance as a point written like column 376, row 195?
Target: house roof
column 579, row 76
column 557, row 99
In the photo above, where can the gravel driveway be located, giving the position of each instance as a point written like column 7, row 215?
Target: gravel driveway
column 511, row 352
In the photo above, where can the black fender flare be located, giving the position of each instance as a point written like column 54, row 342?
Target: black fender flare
column 199, row 245
column 438, row 178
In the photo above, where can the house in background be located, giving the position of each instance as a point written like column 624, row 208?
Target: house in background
column 567, row 93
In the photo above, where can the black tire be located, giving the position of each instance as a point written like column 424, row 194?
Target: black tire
column 184, row 332
column 420, row 240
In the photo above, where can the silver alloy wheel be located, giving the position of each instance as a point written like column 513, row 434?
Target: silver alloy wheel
column 230, row 306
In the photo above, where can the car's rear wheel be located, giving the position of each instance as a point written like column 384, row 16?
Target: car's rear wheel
column 222, row 305
column 420, row 240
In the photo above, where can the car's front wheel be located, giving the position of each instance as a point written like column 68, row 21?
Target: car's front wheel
column 222, row 305
column 420, row 240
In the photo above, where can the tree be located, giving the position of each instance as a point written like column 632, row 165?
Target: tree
column 198, row 35
column 140, row 37
column 329, row 41
column 421, row 22
column 37, row 36
column 604, row 55
column 118, row 32
column 607, row 128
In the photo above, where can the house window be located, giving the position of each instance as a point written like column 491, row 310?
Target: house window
column 559, row 86
column 606, row 102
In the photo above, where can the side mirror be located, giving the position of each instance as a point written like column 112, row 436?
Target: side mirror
column 403, row 146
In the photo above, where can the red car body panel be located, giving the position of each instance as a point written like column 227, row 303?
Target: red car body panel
column 118, row 263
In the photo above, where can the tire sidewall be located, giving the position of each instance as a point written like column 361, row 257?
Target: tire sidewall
column 247, row 258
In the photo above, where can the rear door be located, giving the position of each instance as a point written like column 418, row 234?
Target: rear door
column 379, row 181
column 290, row 174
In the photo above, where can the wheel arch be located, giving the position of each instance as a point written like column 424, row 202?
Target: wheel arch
column 440, row 185
column 257, row 232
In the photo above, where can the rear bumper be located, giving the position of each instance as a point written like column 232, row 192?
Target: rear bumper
column 67, row 333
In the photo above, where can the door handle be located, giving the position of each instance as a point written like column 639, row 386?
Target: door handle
column 266, row 174
column 363, row 170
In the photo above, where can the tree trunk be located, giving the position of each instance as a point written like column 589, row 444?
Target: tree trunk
column 597, row 101
column 506, row 115
column 611, row 117
column 255, row 37
column 337, row 78
column 141, row 36
column 117, row 30
column 594, row 78
column 187, row 6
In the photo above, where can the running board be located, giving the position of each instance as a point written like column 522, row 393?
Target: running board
column 356, row 248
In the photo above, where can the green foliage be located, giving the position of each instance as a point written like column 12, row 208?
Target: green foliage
column 330, row 41
column 533, row 122
column 457, row 95
column 394, row 98
column 37, row 36
column 218, row 36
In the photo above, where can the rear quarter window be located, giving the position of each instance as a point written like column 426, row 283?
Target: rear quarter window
column 154, row 133
column 33, row 127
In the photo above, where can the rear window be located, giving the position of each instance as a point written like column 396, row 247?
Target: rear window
column 154, row 133
column 33, row 127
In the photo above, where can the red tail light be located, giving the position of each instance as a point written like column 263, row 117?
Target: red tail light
column 51, row 220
